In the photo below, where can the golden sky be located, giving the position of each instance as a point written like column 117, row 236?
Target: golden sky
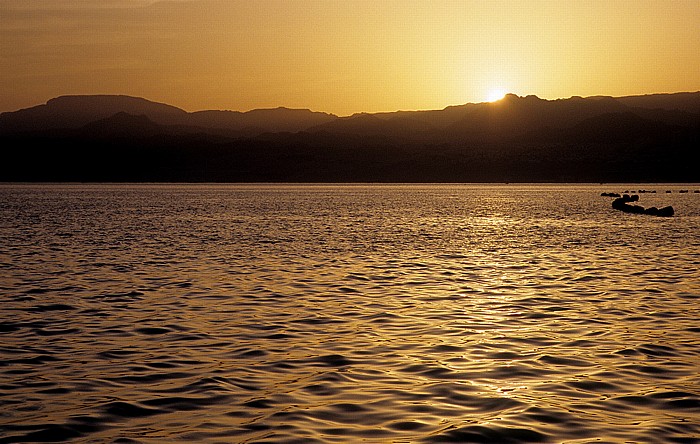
column 344, row 56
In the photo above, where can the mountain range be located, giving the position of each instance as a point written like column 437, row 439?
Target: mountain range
column 651, row 138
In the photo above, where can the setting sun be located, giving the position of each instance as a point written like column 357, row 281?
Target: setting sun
column 344, row 57
column 495, row 95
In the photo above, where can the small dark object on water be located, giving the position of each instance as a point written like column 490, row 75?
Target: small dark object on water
column 622, row 204
column 662, row 212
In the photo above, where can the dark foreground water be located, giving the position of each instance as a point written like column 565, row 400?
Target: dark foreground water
column 279, row 313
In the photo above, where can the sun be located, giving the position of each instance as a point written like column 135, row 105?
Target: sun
column 495, row 95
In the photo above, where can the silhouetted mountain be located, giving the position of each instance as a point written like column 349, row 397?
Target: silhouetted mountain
column 123, row 125
column 685, row 101
column 76, row 111
column 510, row 117
column 614, row 127
column 596, row 139
column 403, row 127
column 261, row 120
column 126, row 125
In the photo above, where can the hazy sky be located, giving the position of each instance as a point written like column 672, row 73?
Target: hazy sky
column 344, row 56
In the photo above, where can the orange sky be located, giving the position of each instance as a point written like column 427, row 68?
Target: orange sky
column 344, row 56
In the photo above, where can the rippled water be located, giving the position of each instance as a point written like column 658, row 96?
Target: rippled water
column 280, row 313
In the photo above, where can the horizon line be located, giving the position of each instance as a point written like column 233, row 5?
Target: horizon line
column 355, row 113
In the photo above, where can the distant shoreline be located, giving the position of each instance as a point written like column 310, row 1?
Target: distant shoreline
column 637, row 139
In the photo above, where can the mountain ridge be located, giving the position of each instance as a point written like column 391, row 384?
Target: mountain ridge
column 73, row 111
column 516, row 139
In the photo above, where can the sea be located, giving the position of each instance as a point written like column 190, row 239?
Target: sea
column 344, row 313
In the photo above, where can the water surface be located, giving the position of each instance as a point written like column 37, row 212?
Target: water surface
column 346, row 313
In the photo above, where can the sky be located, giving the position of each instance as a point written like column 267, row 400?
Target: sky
column 344, row 56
